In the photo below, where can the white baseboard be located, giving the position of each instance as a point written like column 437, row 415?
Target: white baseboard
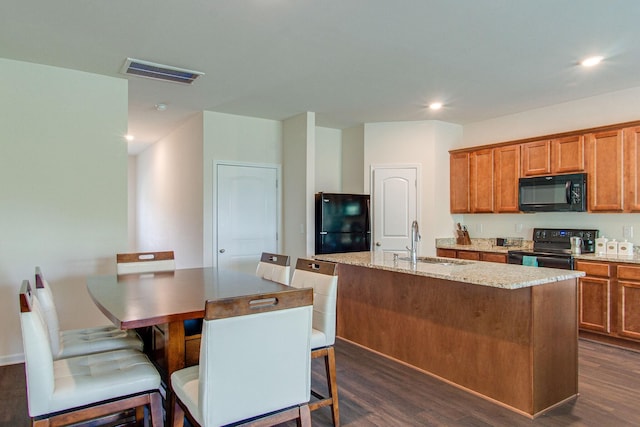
column 12, row 359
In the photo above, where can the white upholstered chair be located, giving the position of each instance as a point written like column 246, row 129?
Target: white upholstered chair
column 76, row 342
column 254, row 363
column 145, row 262
column 160, row 262
column 274, row 267
column 76, row 389
column 322, row 277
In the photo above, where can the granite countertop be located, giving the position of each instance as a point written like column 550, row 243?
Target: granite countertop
column 504, row 276
column 635, row 259
column 483, row 245
column 488, row 245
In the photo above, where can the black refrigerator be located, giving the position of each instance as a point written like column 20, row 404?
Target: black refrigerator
column 342, row 223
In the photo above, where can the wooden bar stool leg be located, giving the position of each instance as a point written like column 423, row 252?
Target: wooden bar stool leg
column 330, row 367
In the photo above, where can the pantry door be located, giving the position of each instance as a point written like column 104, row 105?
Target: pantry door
column 247, row 215
column 395, row 206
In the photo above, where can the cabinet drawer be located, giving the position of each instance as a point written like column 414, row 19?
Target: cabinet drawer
column 447, row 253
column 628, row 272
column 601, row 269
column 475, row 256
column 493, row 257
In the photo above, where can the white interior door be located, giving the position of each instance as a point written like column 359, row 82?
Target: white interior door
column 395, row 206
column 247, row 215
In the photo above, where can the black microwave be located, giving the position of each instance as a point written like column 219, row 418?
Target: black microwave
column 554, row 193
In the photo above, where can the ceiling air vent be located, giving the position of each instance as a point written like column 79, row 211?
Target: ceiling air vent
column 137, row 67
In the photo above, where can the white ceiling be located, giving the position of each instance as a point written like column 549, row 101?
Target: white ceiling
column 349, row 61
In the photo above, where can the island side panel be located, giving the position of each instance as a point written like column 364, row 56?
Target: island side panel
column 555, row 343
column 478, row 337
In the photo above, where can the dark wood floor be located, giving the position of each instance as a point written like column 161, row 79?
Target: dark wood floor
column 375, row 391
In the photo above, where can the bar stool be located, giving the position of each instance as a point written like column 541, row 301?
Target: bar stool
column 76, row 342
column 274, row 267
column 255, row 363
column 322, row 277
column 78, row 389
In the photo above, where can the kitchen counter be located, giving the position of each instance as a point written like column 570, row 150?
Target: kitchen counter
column 481, row 245
column 504, row 276
column 635, row 259
column 505, row 332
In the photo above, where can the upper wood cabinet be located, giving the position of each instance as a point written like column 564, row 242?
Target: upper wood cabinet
column 459, row 183
column 536, row 158
column 481, row 180
column 631, row 170
column 507, row 172
column 604, row 168
column 554, row 156
column 567, row 154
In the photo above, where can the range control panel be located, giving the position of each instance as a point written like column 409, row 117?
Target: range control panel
column 559, row 238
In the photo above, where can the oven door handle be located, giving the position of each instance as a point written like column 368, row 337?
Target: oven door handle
column 567, row 191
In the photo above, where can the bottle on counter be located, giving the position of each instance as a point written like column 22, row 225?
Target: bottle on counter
column 601, row 245
column 625, row 249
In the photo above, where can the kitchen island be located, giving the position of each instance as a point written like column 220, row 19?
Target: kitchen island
column 505, row 332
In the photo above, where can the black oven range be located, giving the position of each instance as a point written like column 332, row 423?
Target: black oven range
column 552, row 248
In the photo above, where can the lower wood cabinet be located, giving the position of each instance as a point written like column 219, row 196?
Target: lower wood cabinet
column 609, row 299
column 472, row 255
column 629, row 301
column 594, row 296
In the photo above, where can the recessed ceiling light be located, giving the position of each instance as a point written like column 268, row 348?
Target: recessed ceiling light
column 161, row 107
column 129, row 137
column 435, row 105
column 591, row 61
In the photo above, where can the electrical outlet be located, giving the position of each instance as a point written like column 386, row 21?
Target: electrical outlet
column 479, row 228
column 627, row 231
column 518, row 228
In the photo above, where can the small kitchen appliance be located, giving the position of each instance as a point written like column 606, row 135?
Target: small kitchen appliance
column 555, row 248
column 576, row 245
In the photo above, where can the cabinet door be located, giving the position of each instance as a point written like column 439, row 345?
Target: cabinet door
column 472, row 255
column 567, row 154
column 604, row 160
column 629, row 309
column 593, row 297
column 459, row 183
column 493, row 257
column 536, row 158
column 631, row 170
column 481, row 181
column 507, row 173
column 629, row 301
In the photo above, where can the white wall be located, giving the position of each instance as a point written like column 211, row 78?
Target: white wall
column 328, row 160
column 425, row 143
column 169, row 185
column 132, row 200
column 63, row 165
column 298, row 186
column 611, row 108
column 233, row 138
column 353, row 170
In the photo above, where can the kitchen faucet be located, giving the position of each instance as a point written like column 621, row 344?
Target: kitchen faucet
column 415, row 238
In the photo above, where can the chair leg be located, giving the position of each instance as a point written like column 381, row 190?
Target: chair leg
column 332, row 384
column 178, row 412
column 156, row 410
column 305, row 417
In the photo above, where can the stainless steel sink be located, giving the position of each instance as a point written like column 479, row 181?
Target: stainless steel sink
column 439, row 261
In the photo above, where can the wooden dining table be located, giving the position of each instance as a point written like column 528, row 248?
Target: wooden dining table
column 167, row 299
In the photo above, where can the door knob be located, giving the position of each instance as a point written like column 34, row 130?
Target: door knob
column 221, row 251
column 378, row 244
